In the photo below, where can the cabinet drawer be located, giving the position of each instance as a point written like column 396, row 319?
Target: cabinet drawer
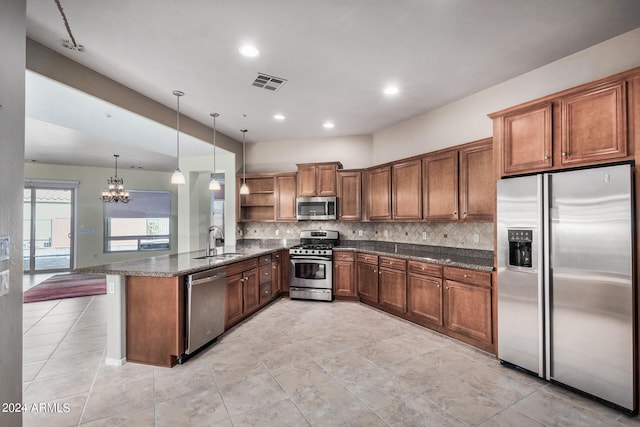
column 480, row 278
column 265, row 274
column 368, row 259
column 343, row 256
column 425, row 268
column 265, row 259
column 239, row 267
column 395, row 263
column 265, row 292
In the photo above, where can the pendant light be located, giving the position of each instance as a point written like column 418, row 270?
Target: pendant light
column 178, row 177
column 115, row 191
column 243, row 188
column 214, row 185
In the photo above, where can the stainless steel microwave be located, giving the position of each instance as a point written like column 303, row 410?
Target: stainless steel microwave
column 316, row 208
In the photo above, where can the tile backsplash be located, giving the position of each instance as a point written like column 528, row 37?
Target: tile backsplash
column 470, row 235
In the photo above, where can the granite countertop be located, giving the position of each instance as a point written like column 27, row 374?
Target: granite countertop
column 464, row 258
column 186, row 263
column 177, row 264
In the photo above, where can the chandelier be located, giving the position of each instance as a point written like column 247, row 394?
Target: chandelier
column 114, row 192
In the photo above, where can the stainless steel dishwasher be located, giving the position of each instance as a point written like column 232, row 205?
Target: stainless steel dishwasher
column 206, row 295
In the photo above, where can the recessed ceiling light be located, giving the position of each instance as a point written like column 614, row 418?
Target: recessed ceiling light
column 391, row 90
column 279, row 116
column 249, row 51
column 328, row 125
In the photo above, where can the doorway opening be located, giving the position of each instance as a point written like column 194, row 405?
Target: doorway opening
column 48, row 238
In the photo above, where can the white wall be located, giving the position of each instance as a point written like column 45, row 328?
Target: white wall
column 466, row 120
column 281, row 156
column 12, row 32
column 89, row 216
column 194, row 199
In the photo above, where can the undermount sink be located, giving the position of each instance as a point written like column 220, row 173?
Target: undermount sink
column 219, row 256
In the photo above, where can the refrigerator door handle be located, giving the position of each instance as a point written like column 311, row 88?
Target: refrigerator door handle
column 545, row 287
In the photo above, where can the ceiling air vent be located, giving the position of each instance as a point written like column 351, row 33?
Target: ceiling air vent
column 265, row 81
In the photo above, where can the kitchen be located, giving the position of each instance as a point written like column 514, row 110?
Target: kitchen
column 363, row 156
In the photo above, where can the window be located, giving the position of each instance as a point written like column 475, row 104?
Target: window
column 143, row 224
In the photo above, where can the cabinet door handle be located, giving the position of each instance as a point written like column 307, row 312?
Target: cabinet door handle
column 266, row 274
column 455, row 213
column 546, row 157
column 446, row 287
column 564, row 154
column 438, row 285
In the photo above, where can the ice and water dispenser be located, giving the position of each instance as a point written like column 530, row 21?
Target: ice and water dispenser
column 520, row 247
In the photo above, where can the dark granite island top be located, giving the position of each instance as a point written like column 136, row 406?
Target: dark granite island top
column 176, row 264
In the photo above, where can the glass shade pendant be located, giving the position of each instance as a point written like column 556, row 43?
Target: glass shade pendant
column 177, row 177
column 243, row 188
column 214, row 185
column 115, row 191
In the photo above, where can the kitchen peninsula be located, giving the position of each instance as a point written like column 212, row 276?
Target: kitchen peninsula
column 146, row 297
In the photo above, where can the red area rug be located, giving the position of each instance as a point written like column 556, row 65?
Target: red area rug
column 67, row 286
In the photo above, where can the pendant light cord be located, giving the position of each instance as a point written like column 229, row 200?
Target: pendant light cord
column 66, row 23
column 244, row 157
column 178, row 133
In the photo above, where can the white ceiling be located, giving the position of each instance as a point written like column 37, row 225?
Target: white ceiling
column 337, row 55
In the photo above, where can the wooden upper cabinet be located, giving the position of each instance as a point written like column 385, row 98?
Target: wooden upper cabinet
column 527, row 139
column 317, row 179
column 285, row 196
column 378, row 193
column 440, row 186
column 581, row 126
column 407, row 190
column 349, row 195
column 594, row 124
column 477, row 183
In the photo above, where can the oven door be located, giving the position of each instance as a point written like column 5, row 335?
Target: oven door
column 311, row 272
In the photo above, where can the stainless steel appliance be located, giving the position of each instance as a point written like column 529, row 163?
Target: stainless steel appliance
column 566, row 282
column 312, row 265
column 316, row 208
column 206, row 295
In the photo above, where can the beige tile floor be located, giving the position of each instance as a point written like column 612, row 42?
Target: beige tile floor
column 295, row 363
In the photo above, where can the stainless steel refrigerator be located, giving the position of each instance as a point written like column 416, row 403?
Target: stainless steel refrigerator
column 566, row 286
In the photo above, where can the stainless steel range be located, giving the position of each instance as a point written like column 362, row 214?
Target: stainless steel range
column 312, row 265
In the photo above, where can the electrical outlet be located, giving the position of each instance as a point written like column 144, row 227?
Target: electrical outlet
column 424, row 235
column 360, row 232
column 277, row 232
column 476, row 238
column 4, row 282
column 385, row 233
column 111, row 288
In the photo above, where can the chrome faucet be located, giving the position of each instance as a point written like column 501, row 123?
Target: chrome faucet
column 217, row 234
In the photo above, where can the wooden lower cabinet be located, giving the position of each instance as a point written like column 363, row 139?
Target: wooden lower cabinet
column 424, row 288
column 155, row 319
column 344, row 272
column 392, row 284
column 234, row 300
column 453, row 301
column 251, row 289
column 243, row 291
column 467, row 301
column 276, row 276
column 367, row 276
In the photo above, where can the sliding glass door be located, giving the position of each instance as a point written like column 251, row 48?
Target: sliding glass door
column 48, row 229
